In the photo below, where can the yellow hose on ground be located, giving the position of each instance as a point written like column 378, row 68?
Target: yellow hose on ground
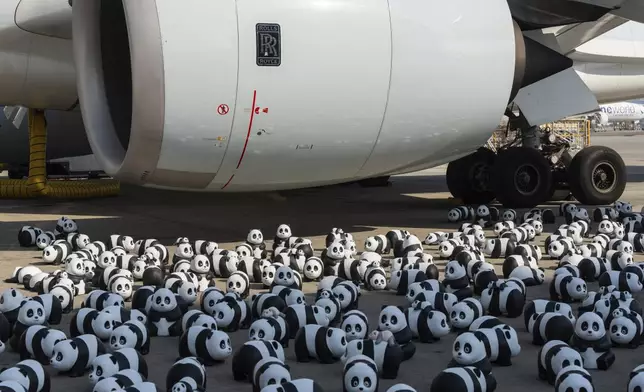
column 37, row 185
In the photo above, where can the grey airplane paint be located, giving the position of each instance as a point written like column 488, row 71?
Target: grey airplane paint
column 65, row 137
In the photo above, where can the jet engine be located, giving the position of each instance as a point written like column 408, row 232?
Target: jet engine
column 601, row 118
column 249, row 95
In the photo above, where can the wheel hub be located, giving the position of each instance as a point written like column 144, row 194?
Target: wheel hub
column 527, row 180
column 604, row 177
column 480, row 177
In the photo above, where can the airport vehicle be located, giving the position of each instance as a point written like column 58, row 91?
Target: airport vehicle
column 250, row 95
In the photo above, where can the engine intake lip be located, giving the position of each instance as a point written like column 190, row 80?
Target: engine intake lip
column 138, row 162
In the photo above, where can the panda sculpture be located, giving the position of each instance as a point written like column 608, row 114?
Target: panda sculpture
column 164, row 316
column 100, row 299
column 554, row 356
column 400, row 280
column 29, row 374
column 38, row 342
column 469, row 351
column 463, row 379
column 10, row 302
column 574, row 378
column 270, row 326
column 210, row 346
column 360, row 374
column 299, row 316
column 332, row 308
column 355, row 325
column 238, row 282
column 567, row 288
column 313, row 269
column 232, row 313
column 503, row 298
column 548, row 326
column 592, row 342
column 636, row 379
column 295, row 385
column 325, row 344
column 545, row 306
column 625, row 280
column 392, row 319
column 464, row 313
column 251, row 353
column 186, row 375
column 626, row 329
column 131, row 334
column 387, row 355
column 348, row 294
column 30, row 313
column 456, row 280
column 269, row 371
column 74, row 356
column 501, row 344
column 263, row 301
column 120, row 380
column 426, row 324
column 106, row 365
column 93, row 322
column 375, row 278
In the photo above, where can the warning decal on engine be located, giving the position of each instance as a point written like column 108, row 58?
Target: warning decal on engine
column 269, row 45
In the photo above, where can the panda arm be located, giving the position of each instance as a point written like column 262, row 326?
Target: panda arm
column 604, row 344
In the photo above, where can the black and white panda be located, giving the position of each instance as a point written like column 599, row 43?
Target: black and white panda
column 131, row 334
column 400, row 280
column 122, row 315
column 313, row 269
column 65, row 296
column 555, row 356
column 378, row 244
column 197, row 317
column 30, row 313
column 164, row 315
column 94, row 322
column 27, row 236
column 545, row 306
column 252, row 352
column 100, row 299
column 325, row 344
column 618, row 259
column 186, row 375
column 45, row 239
column 270, row 327
column 269, row 371
column 426, row 324
column 238, row 282
column 502, row 298
column 625, row 280
column 299, row 316
column 106, row 365
column 443, row 302
column 295, row 385
column 592, row 342
column 183, row 285
column 591, row 268
column 209, row 299
column 463, row 379
column 360, row 374
column 460, row 214
column 268, row 275
column 73, row 356
column 636, row 379
column 499, row 247
column 37, row 343
column 375, row 278
column 287, row 277
column 348, row 293
column 290, row 296
column 567, row 288
column 56, row 252
column 548, row 326
column 232, row 313
column 355, row 325
column 416, row 288
column 456, row 280
column 513, row 262
column 558, row 246
column 224, row 262
column 332, row 307
column 392, row 319
column 120, row 380
column 21, row 275
column 528, row 275
column 469, row 350
column 263, row 301
column 464, row 313
column 28, row 374
column 52, row 306
column 209, row 345
column 331, row 258
column 626, row 329
column 573, row 378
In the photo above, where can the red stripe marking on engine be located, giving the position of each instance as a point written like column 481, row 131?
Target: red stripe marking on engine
column 250, row 127
column 229, row 181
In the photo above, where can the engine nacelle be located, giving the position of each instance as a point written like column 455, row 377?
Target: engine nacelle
column 36, row 62
column 601, row 118
column 251, row 95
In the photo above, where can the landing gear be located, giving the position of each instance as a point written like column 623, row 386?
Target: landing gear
column 597, row 175
column 522, row 178
column 468, row 178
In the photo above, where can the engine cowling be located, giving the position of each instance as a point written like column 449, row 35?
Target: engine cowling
column 277, row 94
column 601, row 118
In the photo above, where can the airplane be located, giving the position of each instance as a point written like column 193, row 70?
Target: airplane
column 619, row 112
column 249, row 95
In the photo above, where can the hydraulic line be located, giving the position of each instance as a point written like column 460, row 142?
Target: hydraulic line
column 37, row 185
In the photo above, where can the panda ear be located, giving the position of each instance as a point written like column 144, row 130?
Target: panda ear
column 113, row 359
column 402, row 309
column 72, row 344
column 476, row 371
column 383, row 307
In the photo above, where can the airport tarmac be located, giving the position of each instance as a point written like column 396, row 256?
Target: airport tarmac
column 417, row 202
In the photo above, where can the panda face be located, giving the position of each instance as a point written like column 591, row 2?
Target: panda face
column 590, row 327
column 10, row 299
column 295, row 297
column 103, row 325
column 138, row 267
column 378, row 281
column 336, row 341
column 354, row 328
column 163, row 300
column 43, row 241
column 312, row 269
column 275, row 374
column 284, row 232
column 461, row 316
column 345, row 294
column 64, row 355
column 468, row 349
column 218, row 345
column 577, row 289
column 50, row 340
column 454, row 270
column 445, row 249
column 63, row 295
column 122, row 337
column 454, row 215
column 255, row 237
column 330, row 307
column 49, row 254
column 579, row 381
column 360, row 378
column 184, row 251
column 206, row 321
column 76, row 267
column 566, row 356
column 200, row 264
column 223, row 313
column 634, row 283
column 413, row 290
column 268, row 275
column 89, row 267
column 437, row 322
column 107, row 259
column 392, row 319
column 261, row 330
column 371, row 244
column 102, row 366
column 570, row 208
column 622, row 330
column 32, row 313
column 335, row 251
column 187, row 291
column 236, row 284
column 483, row 211
column 284, row 276
column 509, row 215
column 556, row 249
column 244, row 250
column 349, row 248
column 69, row 226
column 210, row 299
column 122, row 286
column 128, row 243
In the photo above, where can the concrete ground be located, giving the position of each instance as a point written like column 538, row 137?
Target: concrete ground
column 417, row 202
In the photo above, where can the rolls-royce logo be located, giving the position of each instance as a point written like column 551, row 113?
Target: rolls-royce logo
column 269, row 45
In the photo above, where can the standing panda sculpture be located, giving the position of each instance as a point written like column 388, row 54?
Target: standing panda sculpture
column 592, row 342
column 107, row 365
column 392, row 318
column 554, row 356
column 73, row 357
column 186, row 375
column 463, row 379
column 360, row 374
column 325, row 344
column 210, row 346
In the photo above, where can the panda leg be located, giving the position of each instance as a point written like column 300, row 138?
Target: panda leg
column 543, row 374
column 175, row 329
column 409, row 350
column 505, row 361
column 238, row 369
column 145, row 348
column 301, row 351
column 390, row 372
column 554, row 296
column 606, row 360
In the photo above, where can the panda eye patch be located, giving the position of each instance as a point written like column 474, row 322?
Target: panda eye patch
column 167, row 301
column 467, row 348
column 584, row 326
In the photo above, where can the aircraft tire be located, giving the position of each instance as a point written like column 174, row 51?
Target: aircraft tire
column 522, row 178
column 468, row 177
column 597, row 176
